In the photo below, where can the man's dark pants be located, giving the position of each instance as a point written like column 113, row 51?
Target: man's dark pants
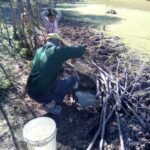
column 57, row 92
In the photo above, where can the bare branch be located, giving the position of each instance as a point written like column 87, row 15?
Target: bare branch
column 136, row 79
column 103, row 126
column 138, row 118
column 120, row 132
column 126, row 80
column 104, row 121
column 110, row 114
column 101, row 70
column 96, row 134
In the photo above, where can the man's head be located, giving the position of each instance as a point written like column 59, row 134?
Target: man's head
column 52, row 13
column 55, row 39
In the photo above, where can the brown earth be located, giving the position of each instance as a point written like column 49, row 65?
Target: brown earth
column 76, row 126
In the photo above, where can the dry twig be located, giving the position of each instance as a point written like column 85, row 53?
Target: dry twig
column 120, row 132
column 138, row 118
column 112, row 88
column 103, row 125
column 97, row 133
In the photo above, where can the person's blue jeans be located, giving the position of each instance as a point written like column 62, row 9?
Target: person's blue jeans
column 57, row 92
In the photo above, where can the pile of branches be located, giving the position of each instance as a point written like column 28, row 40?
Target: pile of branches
column 116, row 94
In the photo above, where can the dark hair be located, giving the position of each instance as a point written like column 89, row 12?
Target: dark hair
column 51, row 12
column 54, row 41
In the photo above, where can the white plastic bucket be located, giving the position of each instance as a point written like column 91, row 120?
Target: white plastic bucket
column 40, row 134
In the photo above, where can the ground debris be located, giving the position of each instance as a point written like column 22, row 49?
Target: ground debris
column 77, row 126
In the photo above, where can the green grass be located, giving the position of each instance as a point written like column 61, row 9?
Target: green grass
column 134, row 29
column 132, row 26
column 133, row 4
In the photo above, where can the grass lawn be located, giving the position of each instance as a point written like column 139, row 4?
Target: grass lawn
column 133, row 4
column 131, row 25
column 134, row 29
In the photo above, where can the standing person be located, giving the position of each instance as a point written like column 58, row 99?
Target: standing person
column 44, row 85
column 50, row 19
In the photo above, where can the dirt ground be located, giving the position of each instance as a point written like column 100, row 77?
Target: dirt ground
column 104, row 50
column 76, row 126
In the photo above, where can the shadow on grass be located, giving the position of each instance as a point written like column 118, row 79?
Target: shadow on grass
column 93, row 20
column 59, row 5
column 6, row 13
column 67, row 6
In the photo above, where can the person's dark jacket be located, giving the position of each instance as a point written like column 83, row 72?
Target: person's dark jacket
column 46, row 66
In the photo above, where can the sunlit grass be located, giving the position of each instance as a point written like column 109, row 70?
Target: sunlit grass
column 134, row 29
column 133, row 4
column 132, row 26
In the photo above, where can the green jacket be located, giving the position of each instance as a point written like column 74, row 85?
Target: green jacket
column 46, row 66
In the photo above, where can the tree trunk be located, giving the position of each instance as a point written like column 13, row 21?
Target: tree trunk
column 13, row 17
column 55, row 3
column 32, row 21
column 4, row 26
column 21, row 24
